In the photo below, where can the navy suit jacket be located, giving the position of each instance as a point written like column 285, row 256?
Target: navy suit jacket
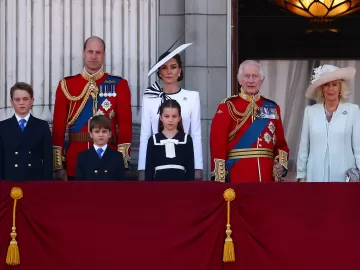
column 90, row 167
column 28, row 155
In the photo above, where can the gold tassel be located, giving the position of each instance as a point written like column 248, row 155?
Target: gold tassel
column 13, row 255
column 229, row 251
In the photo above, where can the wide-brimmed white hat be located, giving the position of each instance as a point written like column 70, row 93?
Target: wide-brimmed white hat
column 168, row 57
column 327, row 73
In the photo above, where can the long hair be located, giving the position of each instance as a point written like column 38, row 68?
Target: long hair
column 170, row 103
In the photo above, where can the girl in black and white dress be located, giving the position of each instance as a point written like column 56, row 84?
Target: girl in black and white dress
column 170, row 152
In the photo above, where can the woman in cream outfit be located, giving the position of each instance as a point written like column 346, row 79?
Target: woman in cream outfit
column 169, row 70
column 330, row 142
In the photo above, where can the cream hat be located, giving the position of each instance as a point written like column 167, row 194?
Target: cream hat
column 327, row 73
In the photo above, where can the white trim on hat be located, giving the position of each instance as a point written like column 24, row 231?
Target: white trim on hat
column 168, row 57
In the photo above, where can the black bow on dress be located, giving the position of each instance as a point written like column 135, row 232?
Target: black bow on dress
column 155, row 91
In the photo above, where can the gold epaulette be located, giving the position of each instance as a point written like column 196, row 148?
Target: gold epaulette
column 226, row 99
column 110, row 74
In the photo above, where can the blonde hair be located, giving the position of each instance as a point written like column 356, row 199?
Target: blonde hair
column 344, row 92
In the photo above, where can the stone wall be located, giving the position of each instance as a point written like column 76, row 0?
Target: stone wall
column 204, row 61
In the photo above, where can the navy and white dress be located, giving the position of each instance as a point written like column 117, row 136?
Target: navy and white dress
column 190, row 114
column 170, row 159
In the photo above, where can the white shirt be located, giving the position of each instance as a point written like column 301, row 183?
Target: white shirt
column 103, row 148
column 190, row 113
column 18, row 118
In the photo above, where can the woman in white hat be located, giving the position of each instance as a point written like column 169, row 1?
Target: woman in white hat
column 169, row 70
column 329, row 146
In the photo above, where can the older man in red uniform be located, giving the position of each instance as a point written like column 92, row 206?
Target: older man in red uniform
column 247, row 141
column 79, row 98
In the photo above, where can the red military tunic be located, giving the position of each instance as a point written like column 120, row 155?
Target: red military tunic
column 231, row 122
column 80, row 97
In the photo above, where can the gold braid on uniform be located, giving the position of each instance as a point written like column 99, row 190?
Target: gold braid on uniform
column 84, row 95
column 282, row 158
column 240, row 118
column 124, row 150
column 89, row 89
column 57, row 158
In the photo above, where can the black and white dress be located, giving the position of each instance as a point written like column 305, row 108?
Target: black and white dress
column 190, row 115
column 170, row 159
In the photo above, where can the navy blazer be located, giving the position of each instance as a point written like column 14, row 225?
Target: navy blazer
column 90, row 167
column 28, row 155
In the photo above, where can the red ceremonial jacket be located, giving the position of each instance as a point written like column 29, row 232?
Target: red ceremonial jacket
column 246, row 137
column 78, row 99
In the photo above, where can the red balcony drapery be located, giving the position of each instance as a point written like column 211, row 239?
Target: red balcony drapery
column 142, row 225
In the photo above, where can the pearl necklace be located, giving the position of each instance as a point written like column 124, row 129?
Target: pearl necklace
column 328, row 114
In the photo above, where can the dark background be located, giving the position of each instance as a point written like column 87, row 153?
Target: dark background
column 267, row 32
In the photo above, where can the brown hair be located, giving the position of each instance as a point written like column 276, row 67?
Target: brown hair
column 170, row 103
column 179, row 62
column 21, row 86
column 94, row 37
column 100, row 121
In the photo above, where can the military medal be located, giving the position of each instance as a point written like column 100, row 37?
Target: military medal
column 111, row 94
column 111, row 114
column 101, row 91
column 106, row 104
column 267, row 137
column 271, row 127
column 105, row 94
column 99, row 112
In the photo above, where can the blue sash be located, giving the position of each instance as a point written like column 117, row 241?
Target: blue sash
column 87, row 111
column 252, row 133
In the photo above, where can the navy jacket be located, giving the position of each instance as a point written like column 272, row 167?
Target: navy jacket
column 109, row 168
column 28, row 155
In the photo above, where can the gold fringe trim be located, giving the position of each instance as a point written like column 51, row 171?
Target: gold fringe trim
column 229, row 250
column 13, row 254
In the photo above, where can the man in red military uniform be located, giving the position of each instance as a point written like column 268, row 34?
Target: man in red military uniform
column 247, row 141
column 79, row 98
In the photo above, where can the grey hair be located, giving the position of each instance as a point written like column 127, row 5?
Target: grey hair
column 344, row 91
column 251, row 62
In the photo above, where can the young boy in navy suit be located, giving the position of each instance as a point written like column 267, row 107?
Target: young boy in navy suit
column 100, row 162
column 25, row 141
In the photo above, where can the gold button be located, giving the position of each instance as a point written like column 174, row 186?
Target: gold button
column 16, row 153
column 105, row 171
column 95, row 171
column 16, row 165
column 29, row 165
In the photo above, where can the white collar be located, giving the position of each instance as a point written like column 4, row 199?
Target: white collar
column 97, row 147
column 18, row 118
